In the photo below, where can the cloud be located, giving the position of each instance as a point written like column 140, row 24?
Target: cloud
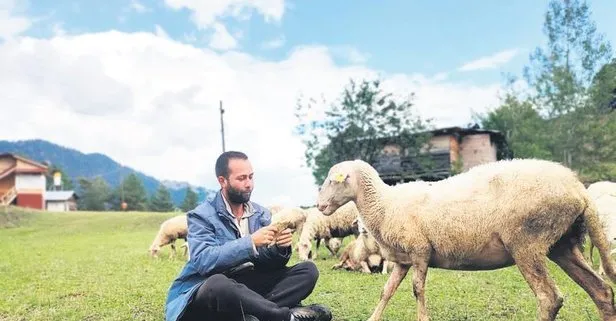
column 11, row 22
column 152, row 103
column 222, row 39
column 138, row 7
column 274, row 43
column 350, row 54
column 490, row 62
column 160, row 32
column 206, row 13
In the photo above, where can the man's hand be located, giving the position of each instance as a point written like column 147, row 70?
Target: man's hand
column 285, row 238
column 264, row 235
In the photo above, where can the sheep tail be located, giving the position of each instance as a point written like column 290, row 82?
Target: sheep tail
column 598, row 238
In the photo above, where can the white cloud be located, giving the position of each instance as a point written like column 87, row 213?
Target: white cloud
column 160, row 32
column 350, row 54
column 490, row 62
column 206, row 13
column 152, row 103
column 11, row 23
column 222, row 39
column 138, row 6
column 274, row 43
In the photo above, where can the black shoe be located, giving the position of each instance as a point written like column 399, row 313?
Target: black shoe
column 313, row 312
column 249, row 317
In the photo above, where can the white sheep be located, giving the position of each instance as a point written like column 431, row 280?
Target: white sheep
column 604, row 195
column 492, row 216
column 170, row 230
column 319, row 226
column 363, row 254
column 288, row 217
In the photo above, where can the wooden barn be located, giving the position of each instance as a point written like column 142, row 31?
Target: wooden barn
column 449, row 151
column 22, row 181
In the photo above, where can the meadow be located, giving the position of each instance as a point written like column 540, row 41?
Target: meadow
column 95, row 266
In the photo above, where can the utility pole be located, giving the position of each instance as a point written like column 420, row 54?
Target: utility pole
column 222, row 127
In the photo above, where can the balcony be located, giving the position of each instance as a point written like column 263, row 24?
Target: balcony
column 428, row 167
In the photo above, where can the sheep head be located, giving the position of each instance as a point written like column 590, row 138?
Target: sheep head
column 338, row 188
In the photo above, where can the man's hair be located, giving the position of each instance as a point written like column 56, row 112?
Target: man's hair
column 222, row 163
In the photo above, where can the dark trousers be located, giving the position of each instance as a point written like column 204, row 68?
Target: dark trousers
column 267, row 295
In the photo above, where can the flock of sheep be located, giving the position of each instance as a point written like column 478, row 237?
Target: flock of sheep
column 510, row 212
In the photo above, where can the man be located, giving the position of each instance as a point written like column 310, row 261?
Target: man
column 232, row 273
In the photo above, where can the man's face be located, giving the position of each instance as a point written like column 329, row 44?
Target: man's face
column 239, row 185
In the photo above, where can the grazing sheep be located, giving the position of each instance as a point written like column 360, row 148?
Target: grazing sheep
column 492, row 216
column 170, row 230
column 362, row 254
column 604, row 195
column 319, row 226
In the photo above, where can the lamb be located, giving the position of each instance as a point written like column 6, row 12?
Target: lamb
column 498, row 214
column 363, row 253
column 170, row 230
column 288, row 217
column 604, row 195
column 319, row 226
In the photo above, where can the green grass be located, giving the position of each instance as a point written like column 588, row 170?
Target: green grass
column 95, row 266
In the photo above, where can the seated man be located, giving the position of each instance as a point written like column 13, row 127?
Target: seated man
column 232, row 273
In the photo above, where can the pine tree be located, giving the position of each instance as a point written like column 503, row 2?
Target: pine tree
column 161, row 200
column 190, row 200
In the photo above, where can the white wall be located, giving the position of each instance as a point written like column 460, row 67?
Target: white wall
column 30, row 181
column 57, row 206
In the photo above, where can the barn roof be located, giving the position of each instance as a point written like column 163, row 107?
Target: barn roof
column 59, row 195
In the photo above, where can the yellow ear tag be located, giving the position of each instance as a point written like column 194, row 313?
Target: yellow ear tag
column 339, row 177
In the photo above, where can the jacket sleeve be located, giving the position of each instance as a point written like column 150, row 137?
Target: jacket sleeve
column 271, row 257
column 207, row 256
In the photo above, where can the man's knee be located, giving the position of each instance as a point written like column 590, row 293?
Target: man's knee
column 310, row 270
column 215, row 285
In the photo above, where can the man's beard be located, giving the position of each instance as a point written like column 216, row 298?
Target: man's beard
column 236, row 196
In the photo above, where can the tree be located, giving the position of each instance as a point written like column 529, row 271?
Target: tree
column 562, row 73
column 131, row 191
column 94, row 194
column 357, row 126
column 161, row 200
column 191, row 200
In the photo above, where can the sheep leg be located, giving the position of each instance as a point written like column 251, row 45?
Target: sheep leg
column 395, row 278
column 420, row 270
column 385, row 263
column 533, row 268
column 572, row 261
column 173, row 252
column 364, row 267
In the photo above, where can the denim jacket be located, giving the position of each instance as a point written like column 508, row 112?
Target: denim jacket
column 216, row 246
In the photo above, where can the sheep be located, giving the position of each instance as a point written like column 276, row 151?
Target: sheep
column 274, row 209
column 494, row 215
column 170, row 230
column 288, row 217
column 362, row 254
column 319, row 226
column 604, row 195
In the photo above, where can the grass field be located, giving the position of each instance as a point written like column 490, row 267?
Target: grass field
column 95, row 266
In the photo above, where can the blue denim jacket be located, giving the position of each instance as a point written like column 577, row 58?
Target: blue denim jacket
column 216, row 246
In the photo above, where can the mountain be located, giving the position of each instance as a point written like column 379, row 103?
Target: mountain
column 75, row 164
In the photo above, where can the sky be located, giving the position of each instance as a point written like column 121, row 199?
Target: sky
column 141, row 81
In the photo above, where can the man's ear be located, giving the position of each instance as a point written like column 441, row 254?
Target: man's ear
column 221, row 180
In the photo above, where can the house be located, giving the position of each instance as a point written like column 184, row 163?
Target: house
column 60, row 201
column 450, row 150
column 22, row 181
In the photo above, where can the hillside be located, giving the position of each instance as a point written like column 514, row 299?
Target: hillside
column 75, row 164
